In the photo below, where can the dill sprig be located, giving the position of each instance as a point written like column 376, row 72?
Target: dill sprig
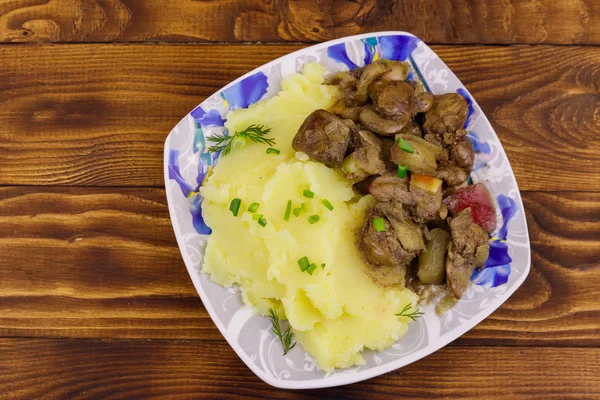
column 224, row 143
column 286, row 337
column 412, row 315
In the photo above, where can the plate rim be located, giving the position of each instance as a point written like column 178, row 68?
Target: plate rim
column 339, row 380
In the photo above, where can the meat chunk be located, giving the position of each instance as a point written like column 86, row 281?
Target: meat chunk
column 451, row 174
column 382, row 248
column 478, row 199
column 422, row 102
column 463, row 155
column 447, row 115
column 426, row 205
column 390, row 188
column 394, row 101
column 468, row 239
column 366, row 158
column 323, row 137
column 375, row 122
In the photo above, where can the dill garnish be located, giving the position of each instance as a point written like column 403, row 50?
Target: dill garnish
column 224, row 143
column 286, row 337
column 412, row 315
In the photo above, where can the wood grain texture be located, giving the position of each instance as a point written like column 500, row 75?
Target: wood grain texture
column 90, row 369
column 98, row 115
column 103, row 263
column 455, row 21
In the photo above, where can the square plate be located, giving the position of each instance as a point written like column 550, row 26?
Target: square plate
column 187, row 164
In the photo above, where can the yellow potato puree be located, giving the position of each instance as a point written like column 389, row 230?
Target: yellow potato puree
column 337, row 311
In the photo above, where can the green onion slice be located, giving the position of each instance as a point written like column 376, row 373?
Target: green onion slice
column 253, row 207
column 234, row 206
column 327, row 204
column 256, row 217
column 311, row 268
column 323, row 266
column 288, row 210
column 303, row 263
column 402, row 169
column 272, row 150
column 379, row 224
column 308, row 193
column 262, row 222
column 405, row 146
column 297, row 211
column 314, row 219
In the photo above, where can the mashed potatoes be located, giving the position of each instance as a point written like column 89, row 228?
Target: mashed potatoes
column 337, row 311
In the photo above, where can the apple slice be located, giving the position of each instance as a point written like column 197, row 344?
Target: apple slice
column 478, row 199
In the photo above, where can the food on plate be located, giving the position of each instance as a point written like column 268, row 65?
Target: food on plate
column 333, row 203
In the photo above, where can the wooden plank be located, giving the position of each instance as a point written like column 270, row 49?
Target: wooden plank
column 103, row 263
column 91, row 369
column 455, row 21
column 98, row 114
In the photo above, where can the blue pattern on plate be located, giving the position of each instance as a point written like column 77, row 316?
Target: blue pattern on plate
column 479, row 147
column 497, row 267
column 464, row 94
column 338, row 53
column 247, row 91
column 397, row 47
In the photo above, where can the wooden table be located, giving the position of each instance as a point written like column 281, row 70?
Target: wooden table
column 95, row 300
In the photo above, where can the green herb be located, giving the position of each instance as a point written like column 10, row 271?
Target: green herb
column 313, row 219
column 323, row 266
column 234, row 206
column 311, row 268
column 288, row 210
column 253, row 207
column 262, row 222
column 405, row 146
column 224, row 143
column 327, row 204
column 308, row 193
column 412, row 315
column 256, row 217
column 298, row 210
column 286, row 337
column 379, row 224
column 272, row 150
column 304, row 263
column 402, row 169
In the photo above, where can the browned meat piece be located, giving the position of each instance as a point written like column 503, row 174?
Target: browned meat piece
column 468, row 242
column 379, row 124
column 343, row 111
column 408, row 233
column 427, row 204
column 370, row 73
column 386, row 152
column 422, row 102
column 381, row 248
column 462, row 154
column 448, row 114
column 398, row 71
column 412, row 128
column 323, row 137
column 450, row 173
column 363, row 162
column 363, row 186
column 394, row 101
column 390, row 188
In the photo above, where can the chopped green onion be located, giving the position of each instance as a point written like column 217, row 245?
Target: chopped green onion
column 308, row 193
column 311, row 268
column 288, row 210
column 402, row 169
column 234, row 206
column 304, row 263
column 323, row 266
column 379, row 224
column 297, row 211
column 303, row 207
column 262, row 222
column 314, row 219
column 256, row 217
column 327, row 204
column 272, row 150
column 253, row 207
column 405, row 146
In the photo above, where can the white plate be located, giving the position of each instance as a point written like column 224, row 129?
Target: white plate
column 187, row 162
